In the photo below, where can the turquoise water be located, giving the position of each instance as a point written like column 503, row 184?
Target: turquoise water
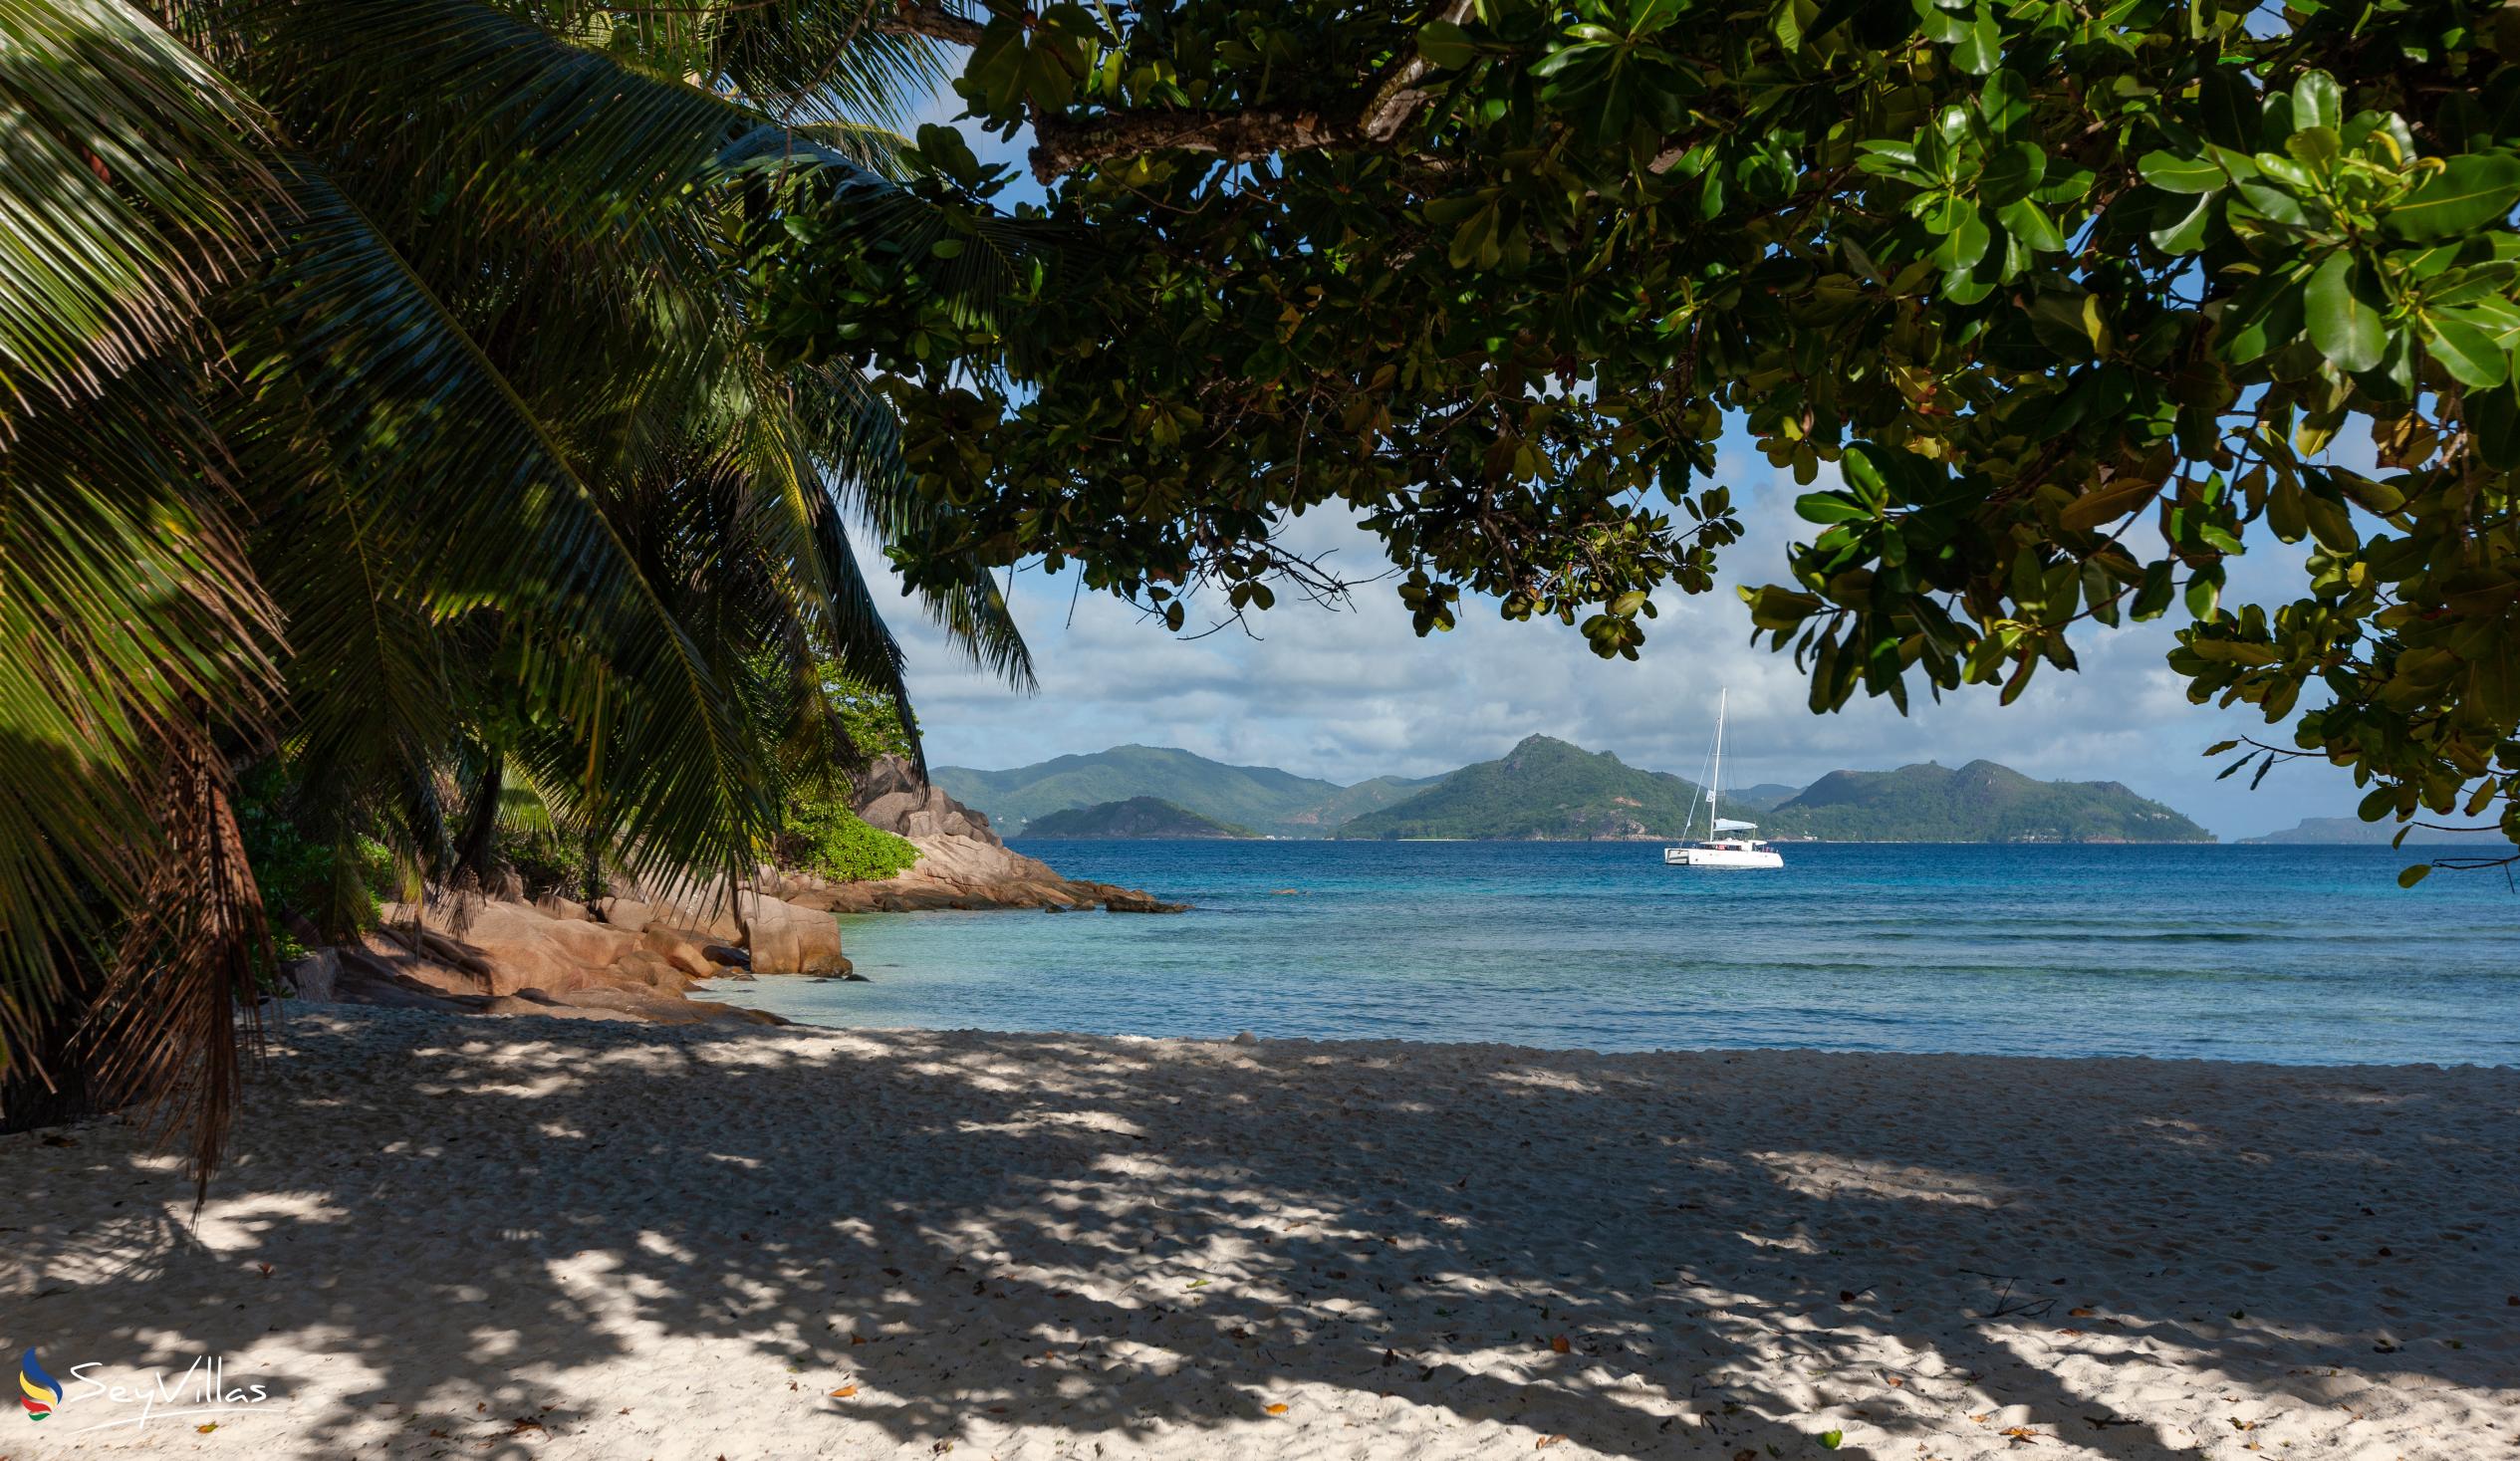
column 2292, row 954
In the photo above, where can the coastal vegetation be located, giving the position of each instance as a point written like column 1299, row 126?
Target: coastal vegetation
column 1137, row 816
column 380, row 414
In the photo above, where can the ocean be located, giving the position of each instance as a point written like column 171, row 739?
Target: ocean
column 2299, row 955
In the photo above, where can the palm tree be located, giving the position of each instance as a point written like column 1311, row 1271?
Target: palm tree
column 376, row 390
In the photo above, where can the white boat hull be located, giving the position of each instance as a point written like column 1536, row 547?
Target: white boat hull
column 1737, row 859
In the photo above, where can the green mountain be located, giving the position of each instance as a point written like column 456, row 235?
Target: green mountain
column 1274, row 801
column 1543, row 789
column 1765, row 794
column 2338, row 832
column 1350, row 803
column 1980, row 803
column 1147, row 817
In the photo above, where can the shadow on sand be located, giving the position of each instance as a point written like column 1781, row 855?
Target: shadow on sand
column 1043, row 1245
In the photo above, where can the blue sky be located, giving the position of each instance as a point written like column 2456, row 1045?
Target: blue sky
column 1353, row 693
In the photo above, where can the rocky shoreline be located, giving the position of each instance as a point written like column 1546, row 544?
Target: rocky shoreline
column 636, row 955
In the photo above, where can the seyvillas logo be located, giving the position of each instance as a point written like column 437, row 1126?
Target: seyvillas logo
column 202, row 1389
column 39, row 1392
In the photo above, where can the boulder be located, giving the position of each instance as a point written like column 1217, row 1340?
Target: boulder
column 787, row 939
column 317, row 977
column 890, row 796
column 684, row 948
column 553, row 906
column 515, row 946
column 628, row 915
column 651, row 969
column 595, row 945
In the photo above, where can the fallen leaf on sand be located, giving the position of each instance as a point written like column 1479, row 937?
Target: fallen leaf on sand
column 1547, row 1441
column 524, row 1423
column 1895, row 1382
column 1278, row 1408
column 1745, row 1454
column 857, row 1338
column 2077, row 1313
column 207, row 1426
column 1561, row 1344
column 2021, row 1433
column 844, row 1392
column 1982, row 1419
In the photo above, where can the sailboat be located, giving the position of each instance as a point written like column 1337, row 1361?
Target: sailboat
column 1718, row 850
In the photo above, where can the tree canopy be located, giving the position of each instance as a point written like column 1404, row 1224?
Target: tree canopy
column 2075, row 300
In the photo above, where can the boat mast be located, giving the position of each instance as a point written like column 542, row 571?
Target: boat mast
column 1716, row 782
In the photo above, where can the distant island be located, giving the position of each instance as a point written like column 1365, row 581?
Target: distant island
column 1271, row 802
column 1546, row 789
column 1980, row 803
column 1135, row 816
column 1543, row 790
column 2341, row 831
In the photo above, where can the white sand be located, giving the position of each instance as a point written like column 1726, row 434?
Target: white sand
column 523, row 1238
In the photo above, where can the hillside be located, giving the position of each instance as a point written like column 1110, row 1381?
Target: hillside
column 1350, row 803
column 1763, row 796
column 1259, row 797
column 1980, row 803
column 2341, row 832
column 1543, row 789
column 1137, row 816
column 1264, row 799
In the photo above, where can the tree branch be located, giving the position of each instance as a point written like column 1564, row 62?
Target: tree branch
column 1062, row 145
column 1397, row 99
column 1383, row 109
column 912, row 18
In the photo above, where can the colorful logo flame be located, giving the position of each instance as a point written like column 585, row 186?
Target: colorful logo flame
column 43, row 1392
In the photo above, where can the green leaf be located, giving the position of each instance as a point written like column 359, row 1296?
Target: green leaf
column 2004, row 102
column 2466, row 351
column 1980, row 48
column 2027, row 222
column 2343, row 324
column 1966, row 243
column 2493, row 419
column 1446, row 44
column 1830, row 507
column 2316, row 100
column 2468, row 193
column 2011, row 173
column 1830, row 1441
column 2188, row 234
column 2412, row 875
column 2172, row 173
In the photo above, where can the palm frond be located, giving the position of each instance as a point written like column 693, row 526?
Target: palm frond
column 492, row 513
column 120, row 206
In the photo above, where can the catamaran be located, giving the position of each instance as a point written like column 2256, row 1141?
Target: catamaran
column 1718, row 850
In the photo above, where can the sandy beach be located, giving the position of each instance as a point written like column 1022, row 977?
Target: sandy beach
column 449, row 1236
